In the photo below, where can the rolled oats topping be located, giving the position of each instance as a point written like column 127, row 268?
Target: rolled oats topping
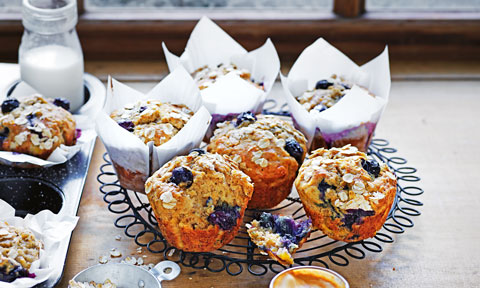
column 152, row 120
column 205, row 76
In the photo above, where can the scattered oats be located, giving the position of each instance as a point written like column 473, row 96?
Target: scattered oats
column 168, row 129
column 262, row 162
column 48, row 144
column 348, row 178
column 131, row 260
column 144, row 256
column 35, row 139
column 189, row 278
column 264, row 143
column 118, row 237
column 149, row 132
column 140, row 261
column 390, row 175
column 247, row 130
column 171, row 252
column 237, row 158
column 337, row 203
column 21, row 121
column 169, row 205
column 114, row 253
column 358, row 187
column 20, row 138
column 280, row 142
column 103, row 259
column 343, row 196
column 269, row 135
column 257, row 155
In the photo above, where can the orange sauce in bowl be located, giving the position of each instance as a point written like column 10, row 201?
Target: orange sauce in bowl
column 308, row 278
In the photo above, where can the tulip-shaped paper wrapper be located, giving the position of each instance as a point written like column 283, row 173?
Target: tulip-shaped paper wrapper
column 352, row 120
column 230, row 95
column 133, row 160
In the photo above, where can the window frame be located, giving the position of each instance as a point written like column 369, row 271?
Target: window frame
column 138, row 36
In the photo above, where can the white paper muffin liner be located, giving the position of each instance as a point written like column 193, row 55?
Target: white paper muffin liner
column 230, row 95
column 133, row 160
column 51, row 229
column 354, row 117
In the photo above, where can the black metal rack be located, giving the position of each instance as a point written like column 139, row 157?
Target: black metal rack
column 137, row 220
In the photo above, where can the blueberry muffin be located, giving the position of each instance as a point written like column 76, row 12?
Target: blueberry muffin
column 347, row 195
column 152, row 120
column 267, row 149
column 18, row 250
column 205, row 76
column 199, row 200
column 36, row 126
column 279, row 236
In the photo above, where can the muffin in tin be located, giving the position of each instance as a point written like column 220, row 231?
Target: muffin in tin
column 205, row 76
column 347, row 195
column 152, row 120
column 267, row 149
column 35, row 125
column 279, row 236
column 18, row 250
column 199, row 200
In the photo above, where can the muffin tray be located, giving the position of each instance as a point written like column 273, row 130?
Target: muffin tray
column 138, row 221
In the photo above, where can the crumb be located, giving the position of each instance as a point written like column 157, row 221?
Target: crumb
column 393, row 268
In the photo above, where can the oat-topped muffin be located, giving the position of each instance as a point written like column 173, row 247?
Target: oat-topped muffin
column 347, row 195
column 18, row 250
column 36, row 126
column 206, row 76
column 327, row 93
column 279, row 236
column 199, row 200
column 267, row 149
column 152, row 120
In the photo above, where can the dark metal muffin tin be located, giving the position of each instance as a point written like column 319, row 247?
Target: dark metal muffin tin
column 58, row 188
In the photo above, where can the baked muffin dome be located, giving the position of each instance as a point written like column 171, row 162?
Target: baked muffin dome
column 199, row 200
column 152, row 120
column 36, row 126
column 267, row 149
column 347, row 195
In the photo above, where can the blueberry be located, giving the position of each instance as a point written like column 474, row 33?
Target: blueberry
column 371, row 166
column 323, row 84
column 182, row 175
column 198, row 150
column 4, row 134
column 127, row 125
column 284, row 226
column 9, row 105
column 320, row 107
column 267, row 220
column 10, row 276
column 143, row 108
column 294, row 149
column 209, row 201
column 346, row 86
column 290, row 230
column 245, row 117
column 224, row 216
column 31, row 119
column 355, row 216
column 323, row 186
column 62, row 102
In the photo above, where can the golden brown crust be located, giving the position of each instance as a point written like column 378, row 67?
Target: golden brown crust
column 183, row 211
column 344, row 200
column 259, row 148
column 37, row 127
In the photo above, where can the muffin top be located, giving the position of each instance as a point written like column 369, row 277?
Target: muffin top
column 345, row 180
column 206, row 76
column 19, row 245
column 327, row 93
column 34, row 120
column 258, row 141
column 152, row 120
column 199, row 190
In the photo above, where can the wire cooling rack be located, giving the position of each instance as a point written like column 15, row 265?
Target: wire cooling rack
column 138, row 221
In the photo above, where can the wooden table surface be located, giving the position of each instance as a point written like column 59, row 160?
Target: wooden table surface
column 434, row 124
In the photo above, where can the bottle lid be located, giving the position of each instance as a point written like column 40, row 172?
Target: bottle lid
column 49, row 16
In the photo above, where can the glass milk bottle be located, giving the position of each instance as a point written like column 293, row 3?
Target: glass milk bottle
column 50, row 55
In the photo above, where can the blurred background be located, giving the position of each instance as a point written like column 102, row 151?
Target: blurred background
column 133, row 30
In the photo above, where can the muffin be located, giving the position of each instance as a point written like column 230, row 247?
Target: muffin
column 279, row 236
column 267, row 149
column 199, row 200
column 347, row 195
column 18, row 250
column 36, row 126
column 151, row 121
column 206, row 76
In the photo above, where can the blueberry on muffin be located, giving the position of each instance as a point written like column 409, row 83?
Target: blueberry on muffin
column 279, row 236
column 18, row 250
column 267, row 149
column 152, row 120
column 347, row 195
column 36, row 126
column 199, row 200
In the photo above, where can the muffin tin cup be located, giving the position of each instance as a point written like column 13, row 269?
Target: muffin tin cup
column 353, row 119
column 209, row 45
column 134, row 161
